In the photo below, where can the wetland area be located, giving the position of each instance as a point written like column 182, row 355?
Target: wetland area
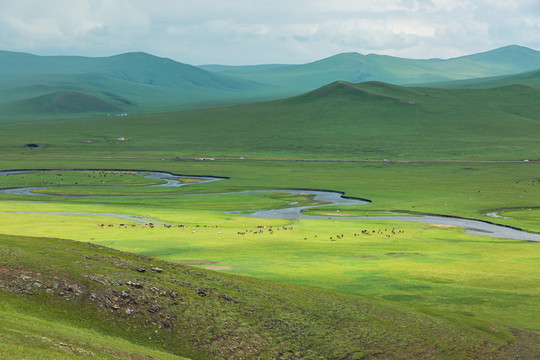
column 263, row 221
column 326, row 197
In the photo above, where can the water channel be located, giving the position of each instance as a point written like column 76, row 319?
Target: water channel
column 332, row 198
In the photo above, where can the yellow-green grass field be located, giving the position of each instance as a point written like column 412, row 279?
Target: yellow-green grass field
column 529, row 217
column 424, row 265
column 80, row 178
column 74, row 296
column 463, row 189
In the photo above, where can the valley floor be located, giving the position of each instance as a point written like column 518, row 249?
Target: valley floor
column 470, row 280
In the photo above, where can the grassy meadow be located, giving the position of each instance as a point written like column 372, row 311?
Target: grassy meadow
column 421, row 265
column 339, row 121
column 59, row 291
column 426, row 266
column 276, row 288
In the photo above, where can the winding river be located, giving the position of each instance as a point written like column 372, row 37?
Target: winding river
column 332, row 198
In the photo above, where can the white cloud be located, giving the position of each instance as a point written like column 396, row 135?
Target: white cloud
column 249, row 31
column 37, row 29
column 368, row 6
column 71, row 24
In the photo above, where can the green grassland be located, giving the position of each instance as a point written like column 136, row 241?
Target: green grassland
column 35, row 337
column 458, row 189
column 463, row 189
column 447, row 269
column 89, row 95
column 275, row 288
column 60, row 291
column 528, row 217
column 339, row 121
column 427, row 266
column 80, row 178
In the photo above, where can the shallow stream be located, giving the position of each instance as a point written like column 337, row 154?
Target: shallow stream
column 332, row 198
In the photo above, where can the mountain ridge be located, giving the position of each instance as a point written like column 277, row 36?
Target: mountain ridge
column 356, row 67
column 148, row 84
column 135, row 66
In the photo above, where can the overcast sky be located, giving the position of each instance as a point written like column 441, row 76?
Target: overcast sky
column 267, row 31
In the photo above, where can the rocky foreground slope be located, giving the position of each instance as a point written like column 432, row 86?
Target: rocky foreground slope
column 64, row 299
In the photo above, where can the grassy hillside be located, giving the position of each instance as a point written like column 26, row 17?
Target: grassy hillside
column 354, row 67
column 370, row 120
column 134, row 67
column 71, row 102
column 531, row 78
column 142, row 83
column 67, row 299
column 135, row 82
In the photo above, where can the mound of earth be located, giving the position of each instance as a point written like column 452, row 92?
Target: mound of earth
column 339, row 89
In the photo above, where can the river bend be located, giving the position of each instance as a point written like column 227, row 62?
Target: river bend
column 332, row 198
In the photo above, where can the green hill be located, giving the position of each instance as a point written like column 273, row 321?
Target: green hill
column 531, row 78
column 141, row 83
column 354, row 67
column 134, row 82
column 341, row 120
column 64, row 299
column 71, row 102
column 134, row 67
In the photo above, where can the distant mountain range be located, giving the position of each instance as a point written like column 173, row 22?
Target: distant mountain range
column 34, row 86
column 531, row 78
column 140, row 68
column 133, row 82
column 354, row 67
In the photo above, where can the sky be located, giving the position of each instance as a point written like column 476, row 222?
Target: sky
column 242, row 32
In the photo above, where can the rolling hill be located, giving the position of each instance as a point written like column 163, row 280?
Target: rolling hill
column 371, row 120
column 133, row 67
column 133, row 82
column 354, row 67
column 531, row 78
column 70, row 102
column 65, row 299
column 138, row 83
